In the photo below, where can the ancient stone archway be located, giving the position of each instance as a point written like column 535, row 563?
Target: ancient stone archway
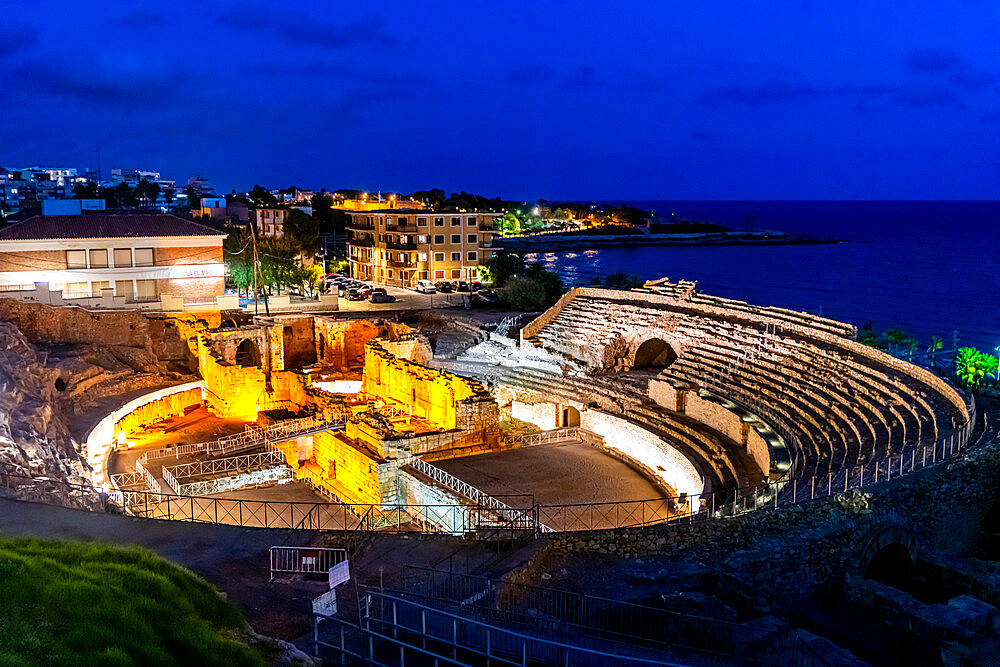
column 654, row 353
column 569, row 417
column 891, row 565
column 248, row 354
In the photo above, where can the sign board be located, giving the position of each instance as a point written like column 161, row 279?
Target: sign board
column 339, row 573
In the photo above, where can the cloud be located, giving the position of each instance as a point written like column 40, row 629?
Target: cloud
column 301, row 29
column 778, row 91
column 15, row 40
column 333, row 70
column 140, row 19
column 122, row 83
column 932, row 60
column 973, row 79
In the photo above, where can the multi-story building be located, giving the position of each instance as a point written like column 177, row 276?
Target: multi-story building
column 269, row 221
column 377, row 203
column 133, row 176
column 401, row 246
column 139, row 256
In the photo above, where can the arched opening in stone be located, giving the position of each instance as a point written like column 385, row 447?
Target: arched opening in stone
column 322, row 347
column 570, row 416
column 891, row 566
column 247, row 354
column 60, row 384
column 654, row 353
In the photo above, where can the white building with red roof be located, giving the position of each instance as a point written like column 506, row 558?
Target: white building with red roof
column 133, row 257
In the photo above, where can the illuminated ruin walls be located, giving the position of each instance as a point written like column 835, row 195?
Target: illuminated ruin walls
column 172, row 405
column 298, row 341
column 342, row 344
column 349, row 472
column 429, row 394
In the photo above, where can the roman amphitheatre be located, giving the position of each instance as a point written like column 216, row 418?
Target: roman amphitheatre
column 649, row 433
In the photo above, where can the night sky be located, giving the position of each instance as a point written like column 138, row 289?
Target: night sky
column 650, row 100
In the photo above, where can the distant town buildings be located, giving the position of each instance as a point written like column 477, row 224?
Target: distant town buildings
column 269, row 220
column 375, row 203
column 401, row 246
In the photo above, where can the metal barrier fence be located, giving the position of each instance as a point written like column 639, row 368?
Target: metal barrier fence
column 566, row 614
column 304, row 560
column 461, row 640
column 556, row 435
column 225, row 466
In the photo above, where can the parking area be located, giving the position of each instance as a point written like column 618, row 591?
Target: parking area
column 406, row 300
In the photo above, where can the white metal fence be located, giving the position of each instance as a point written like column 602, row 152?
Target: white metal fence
column 304, row 560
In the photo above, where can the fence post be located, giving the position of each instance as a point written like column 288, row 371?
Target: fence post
column 812, row 488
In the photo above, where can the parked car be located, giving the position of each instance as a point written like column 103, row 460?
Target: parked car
column 379, row 295
column 462, row 286
column 354, row 294
column 426, row 286
column 444, row 287
column 489, row 296
column 365, row 291
column 475, row 287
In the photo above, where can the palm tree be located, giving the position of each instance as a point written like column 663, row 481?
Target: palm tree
column 936, row 344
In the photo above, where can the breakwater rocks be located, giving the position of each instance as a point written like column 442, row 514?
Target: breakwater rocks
column 574, row 241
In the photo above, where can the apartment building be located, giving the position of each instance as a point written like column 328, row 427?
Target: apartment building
column 269, row 221
column 401, row 246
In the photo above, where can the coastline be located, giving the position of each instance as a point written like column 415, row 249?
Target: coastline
column 572, row 242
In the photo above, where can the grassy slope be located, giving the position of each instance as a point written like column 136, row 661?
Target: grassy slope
column 74, row 603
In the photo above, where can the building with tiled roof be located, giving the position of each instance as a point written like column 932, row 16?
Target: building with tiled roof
column 138, row 257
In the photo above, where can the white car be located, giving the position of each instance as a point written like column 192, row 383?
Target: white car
column 426, row 286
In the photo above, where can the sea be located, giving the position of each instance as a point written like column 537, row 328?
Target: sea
column 927, row 267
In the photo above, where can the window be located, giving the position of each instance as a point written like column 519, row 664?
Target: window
column 439, row 222
column 124, row 288
column 473, row 274
column 456, row 257
column 421, row 222
column 99, row 258
column 439, row 238
column 439, row 257
column 473, row 238
column 390, row 273
column 98, row 285
column 123, row 256
column 76, row 290
column 455, row 222
column 76, row 259
column 473, row 257
column 438, row 274
column 421, row 239
column 456, row 238
column 388, row 223
column 423, row 275
column 456, row 273
column 472, row 221
column 145, row 289
column 143, row 257
column 422, row 257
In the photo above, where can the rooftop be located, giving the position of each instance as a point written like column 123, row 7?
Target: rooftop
column 416, row 211
column 104, row 226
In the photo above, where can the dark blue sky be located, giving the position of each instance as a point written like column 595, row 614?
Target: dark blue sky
column 647, row 100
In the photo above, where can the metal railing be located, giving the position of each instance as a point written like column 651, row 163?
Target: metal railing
column 563, row 614
column 304, row 560
column 224, row 466
column 507, row 514
column 457, row 639
column 569, row 433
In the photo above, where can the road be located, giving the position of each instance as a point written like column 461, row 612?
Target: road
column 406, row 300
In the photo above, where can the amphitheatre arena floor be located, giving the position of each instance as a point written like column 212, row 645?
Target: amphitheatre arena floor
column 557, row 474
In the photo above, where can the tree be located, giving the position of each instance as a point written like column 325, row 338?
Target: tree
column 509, row 223
column 146, row 191
column 622, row 280
column 193, row 197
column 303, row 231
column 168, row 195
column 237, row 253
column 932, row 350
column 279, row 262
column 896, row 337
column 972, row 366
column 869, row 337
column 88, row 191
column 261, row 198
column 503, row 266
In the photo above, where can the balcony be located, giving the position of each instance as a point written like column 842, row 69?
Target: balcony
column 363, row 242
column 396, row 245
column 359, row 224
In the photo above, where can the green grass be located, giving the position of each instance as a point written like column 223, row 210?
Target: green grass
column 76, row 603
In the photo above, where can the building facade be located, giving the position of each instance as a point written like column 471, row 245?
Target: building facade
column 269, row 221
column 401, row 246
column 139, row 256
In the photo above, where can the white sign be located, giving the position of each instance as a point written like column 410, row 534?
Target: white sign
column 326, row 604
column 339, row 573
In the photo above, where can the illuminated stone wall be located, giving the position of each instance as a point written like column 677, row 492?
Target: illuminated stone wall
column 333, row 462
column 431, row 395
